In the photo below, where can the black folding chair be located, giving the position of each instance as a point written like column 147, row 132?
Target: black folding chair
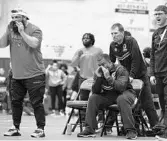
column 79, row 105
column 136, row 110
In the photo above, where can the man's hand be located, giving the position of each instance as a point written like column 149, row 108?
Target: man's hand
column 98, row 73
column 153, row 80
column 80, row 53
column 130, row 79
column 105, row 72
column 20, row 27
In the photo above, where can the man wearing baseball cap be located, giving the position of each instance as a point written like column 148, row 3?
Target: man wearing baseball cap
column 24, row 40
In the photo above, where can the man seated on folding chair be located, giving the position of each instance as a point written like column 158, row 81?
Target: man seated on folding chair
column 111, row 85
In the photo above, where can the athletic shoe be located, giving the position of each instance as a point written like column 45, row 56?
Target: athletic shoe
column 38, row 133
column 12, row 132
column 86, row 133
column 132, row 135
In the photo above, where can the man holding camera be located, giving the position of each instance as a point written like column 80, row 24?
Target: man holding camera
column 24, row 40
column 111, row 85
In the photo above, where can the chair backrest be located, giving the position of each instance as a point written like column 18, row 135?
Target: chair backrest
column 87, row 84
column 137, row 84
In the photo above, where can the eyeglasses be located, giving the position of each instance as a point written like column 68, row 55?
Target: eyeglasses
column 159, row 14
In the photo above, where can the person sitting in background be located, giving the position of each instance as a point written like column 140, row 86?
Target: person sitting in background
column 111, row 85
column 56, row 80
column 64, row 68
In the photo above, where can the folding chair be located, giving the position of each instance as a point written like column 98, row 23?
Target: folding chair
column 79, row 105
column 137, row 85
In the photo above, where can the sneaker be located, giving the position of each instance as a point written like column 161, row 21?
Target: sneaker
column 12, row 132
column 132, row 135
column 39, row 133
column 109, row 131
column 86, row 133
column 159, row 129
column 162, row 137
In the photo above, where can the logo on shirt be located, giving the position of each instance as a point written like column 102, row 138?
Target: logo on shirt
column 125, row 48
column 115, row 49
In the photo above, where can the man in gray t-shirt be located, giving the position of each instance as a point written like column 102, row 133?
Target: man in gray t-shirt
column 24, row 40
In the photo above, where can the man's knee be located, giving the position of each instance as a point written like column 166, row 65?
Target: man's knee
column 121, row 99
column 37, row 105
column 93, row 100
column 37, row 102
column 126, row 98
column 16, row 103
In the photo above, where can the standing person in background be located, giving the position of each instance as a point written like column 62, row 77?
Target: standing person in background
column 158, row 62
column 24, row 39
column 64, row 68
column 147, row 54
column 56, row 80
column 8, row 88
column 126, row 50
column 3, row 93
column 86, row 59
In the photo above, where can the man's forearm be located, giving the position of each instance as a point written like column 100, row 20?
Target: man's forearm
column 31, row 41
column 4, row 41
column 75, row 61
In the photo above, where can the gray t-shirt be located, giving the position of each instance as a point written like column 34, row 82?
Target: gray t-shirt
column 26, row 61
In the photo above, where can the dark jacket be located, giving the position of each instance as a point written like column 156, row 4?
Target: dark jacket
column 129, row 55
column 119, row 84
column 158, row 60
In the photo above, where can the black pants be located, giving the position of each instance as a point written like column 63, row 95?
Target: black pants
column 59, row 92
column 147, row 102
column 161, row 90
column 64, row 99
column 100, row 101
column 35, row 87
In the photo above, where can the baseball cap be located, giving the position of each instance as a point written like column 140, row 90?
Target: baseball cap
column 19, row 11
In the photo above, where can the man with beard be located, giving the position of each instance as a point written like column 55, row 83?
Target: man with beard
column 24, row 39
column 158, row 63
column 86, row 59
column 126, row 50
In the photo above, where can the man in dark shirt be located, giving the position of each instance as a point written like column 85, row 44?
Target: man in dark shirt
column 111, row 85
column 159, row 59
column 126, row 50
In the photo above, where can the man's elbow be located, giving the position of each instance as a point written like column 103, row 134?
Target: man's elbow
column 120, row 87
column 35, row 44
